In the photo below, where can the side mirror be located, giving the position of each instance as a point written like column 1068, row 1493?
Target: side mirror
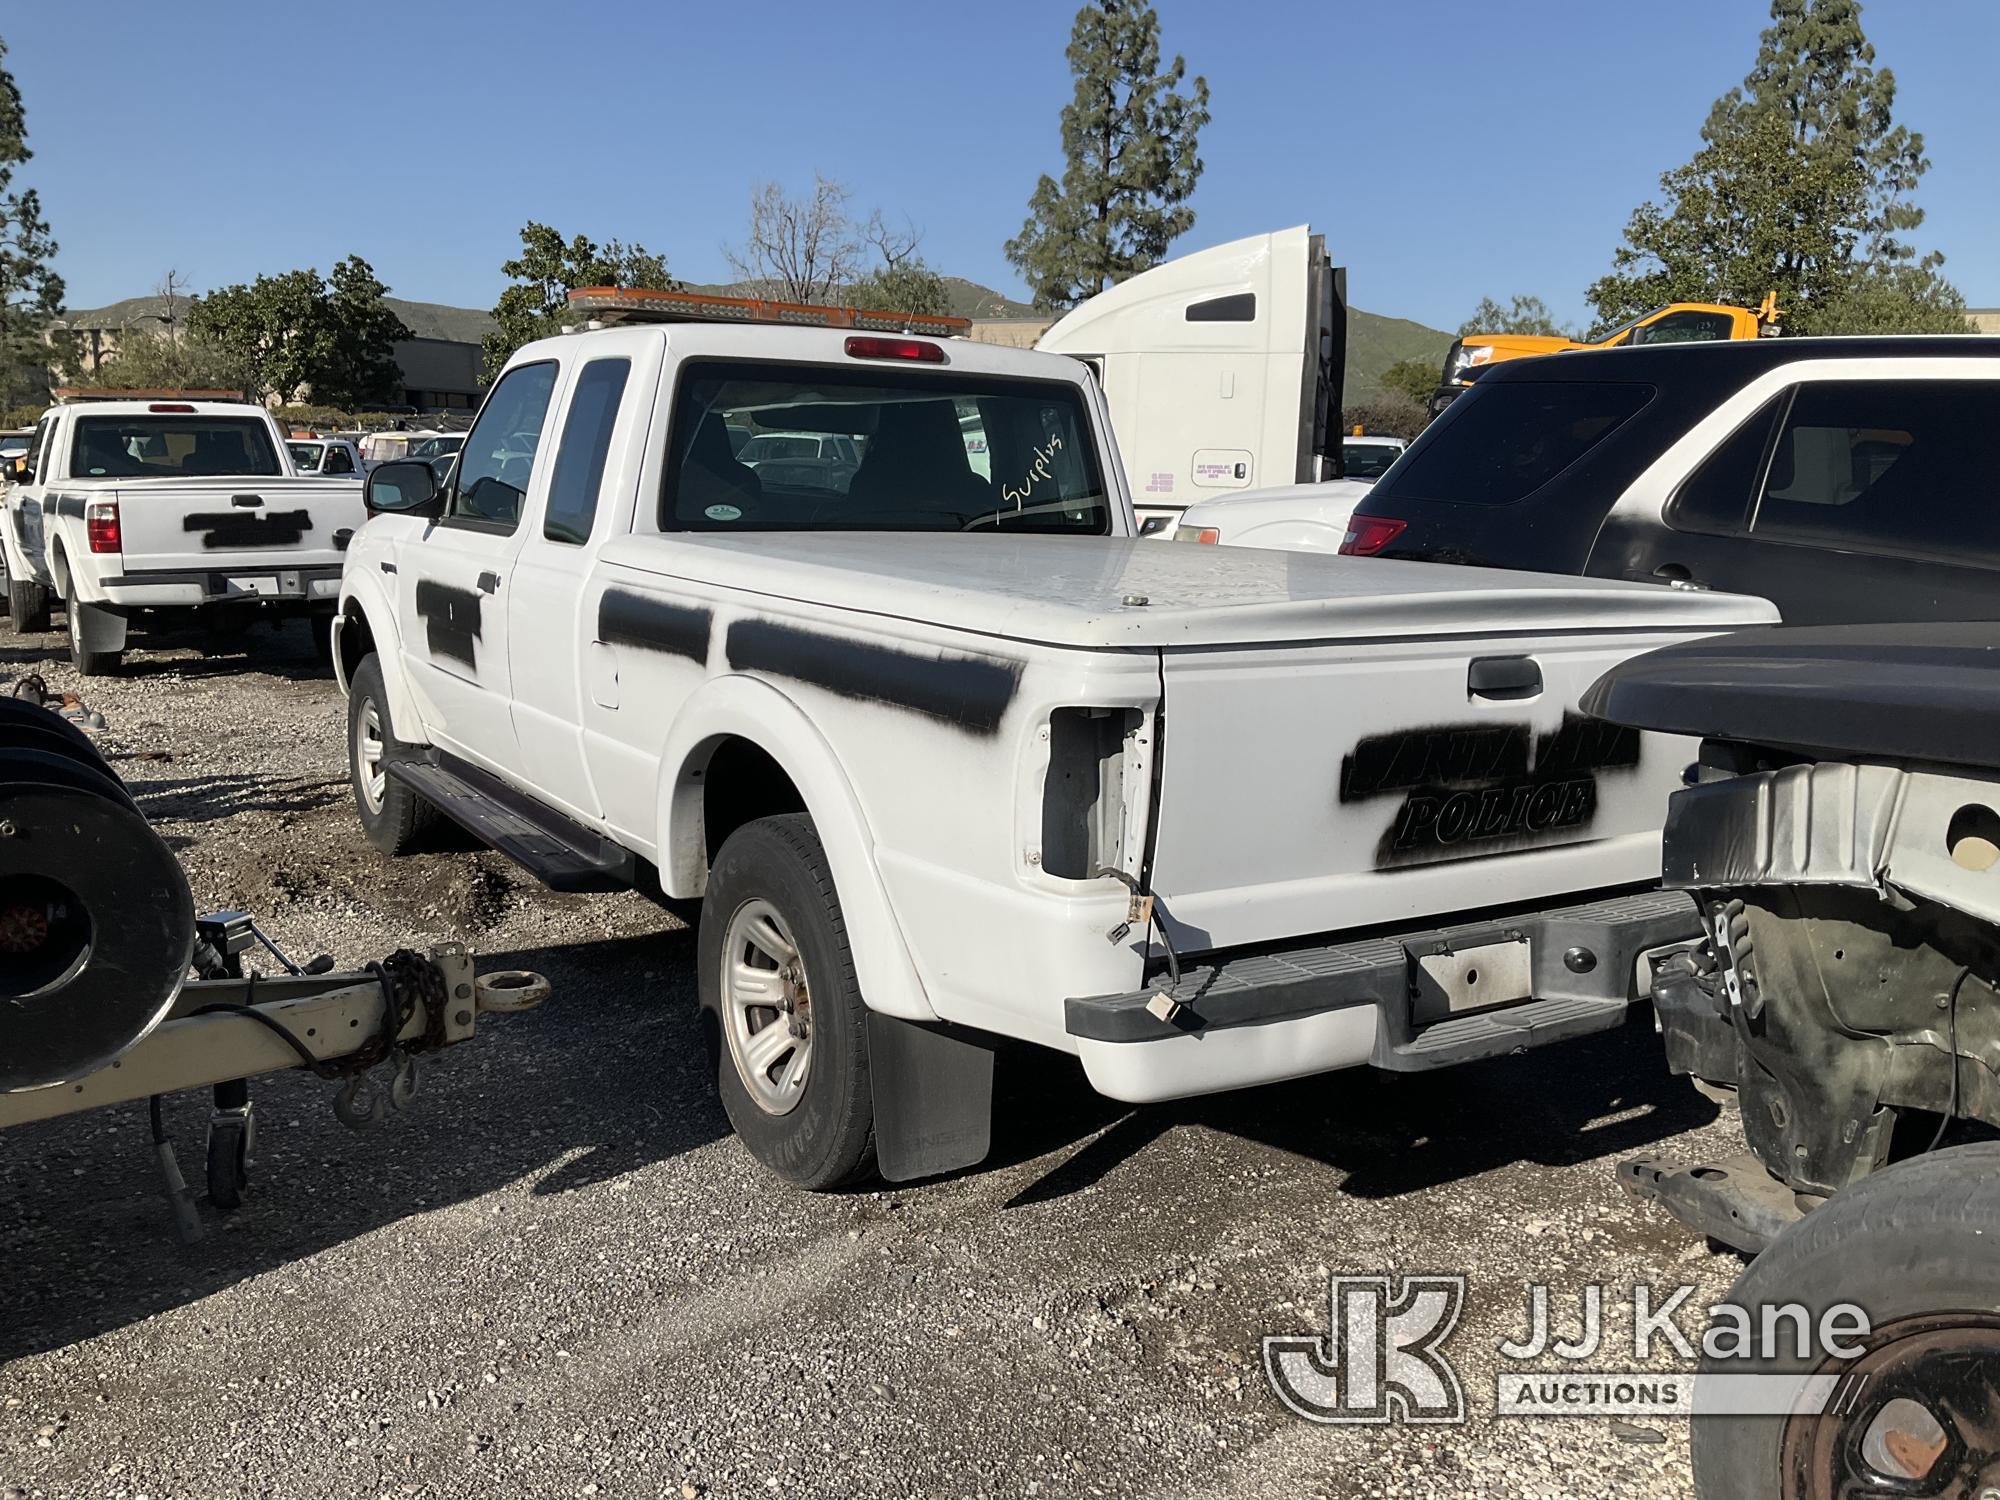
column 403, row 487
column 18, row 470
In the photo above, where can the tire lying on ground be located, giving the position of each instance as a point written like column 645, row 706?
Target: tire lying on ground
column 96, row 919
column 1916, row 1403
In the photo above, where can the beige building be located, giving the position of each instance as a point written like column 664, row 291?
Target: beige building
column 1984, row 319
column 1011, row 333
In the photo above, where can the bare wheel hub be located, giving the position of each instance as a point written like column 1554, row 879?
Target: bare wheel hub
column 1917, row 1414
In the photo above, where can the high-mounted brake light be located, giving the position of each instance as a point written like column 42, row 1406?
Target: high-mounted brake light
column 176, row 408
column 100, row 525
column 917, row 349
column 1368, row 535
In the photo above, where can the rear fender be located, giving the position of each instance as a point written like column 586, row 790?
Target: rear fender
column 742, row 707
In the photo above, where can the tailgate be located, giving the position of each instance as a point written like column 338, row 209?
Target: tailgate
column 1322, row 788
column 225, row 525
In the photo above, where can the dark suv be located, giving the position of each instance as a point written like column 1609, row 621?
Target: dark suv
column 1843, row 479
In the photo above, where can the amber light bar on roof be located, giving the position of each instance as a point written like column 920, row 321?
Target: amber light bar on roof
column 612, row 304
column 67, row 393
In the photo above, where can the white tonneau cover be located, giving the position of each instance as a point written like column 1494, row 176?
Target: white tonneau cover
column 1087, row 592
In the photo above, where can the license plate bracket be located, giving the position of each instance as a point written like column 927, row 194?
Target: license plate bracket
column 1469, row 979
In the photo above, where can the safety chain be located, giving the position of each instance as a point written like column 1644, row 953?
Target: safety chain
column 407, row 978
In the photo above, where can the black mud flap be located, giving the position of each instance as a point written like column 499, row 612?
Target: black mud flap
column 933, row 1098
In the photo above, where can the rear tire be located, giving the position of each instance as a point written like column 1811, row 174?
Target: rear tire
column 27, row 604
column 87, row 663
column 793, row 1074
column 1915, row 1239
column 391, row 814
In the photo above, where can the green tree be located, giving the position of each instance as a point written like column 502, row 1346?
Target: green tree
column 296, row 335
column 1524, row 314
column 145, row 361
column 1129, row 140
column 547, row 270
column 1414, row 378
column 1802, row 186
column 365, row 334
column 31, row 294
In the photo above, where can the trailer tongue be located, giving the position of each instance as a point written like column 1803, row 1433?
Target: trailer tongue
column 98, row 934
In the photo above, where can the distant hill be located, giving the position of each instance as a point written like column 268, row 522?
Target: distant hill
column 1373, row 343
column 427, row 320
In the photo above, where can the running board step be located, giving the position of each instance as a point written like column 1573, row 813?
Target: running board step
column 1496, row 1033
column 562, row 854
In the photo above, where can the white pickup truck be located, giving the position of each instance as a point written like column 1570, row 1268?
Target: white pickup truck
column 950, row 755
column 125, row 506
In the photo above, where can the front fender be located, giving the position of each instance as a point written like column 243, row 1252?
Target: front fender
column 742, row 707
column 364, row 595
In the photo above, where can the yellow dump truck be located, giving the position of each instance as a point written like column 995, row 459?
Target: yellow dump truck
column 1679, row 322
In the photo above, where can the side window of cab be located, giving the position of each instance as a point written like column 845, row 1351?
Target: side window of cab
column 491, row 482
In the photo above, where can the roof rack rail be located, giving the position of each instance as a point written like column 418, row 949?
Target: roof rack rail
column 605, row 305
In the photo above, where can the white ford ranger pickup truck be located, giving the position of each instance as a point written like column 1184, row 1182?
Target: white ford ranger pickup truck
column 950, row 756
column 126, row 506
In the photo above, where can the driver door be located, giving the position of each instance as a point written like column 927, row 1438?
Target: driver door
column 451, row 605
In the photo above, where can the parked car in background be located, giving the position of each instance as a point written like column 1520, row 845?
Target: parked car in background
column 803, row 461
column 1472, row 354
column 128, row 506
column 436, row 445
column 1845, row 480
column 326, row 458
column 1299, row 517
column 1368, row 455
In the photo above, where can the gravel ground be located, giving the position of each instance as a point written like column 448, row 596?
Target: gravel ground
column 560, row 1275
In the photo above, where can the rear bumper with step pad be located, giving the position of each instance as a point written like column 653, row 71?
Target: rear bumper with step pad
column 1404, row 1001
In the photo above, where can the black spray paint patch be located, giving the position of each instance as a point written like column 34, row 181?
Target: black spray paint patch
column 625, row 618
column 1493, row 786
column 451, row 620
column 247, row 530
column 968, row 692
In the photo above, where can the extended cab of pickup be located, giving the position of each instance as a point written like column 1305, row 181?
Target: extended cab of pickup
column 126, row 506
column 949, row 754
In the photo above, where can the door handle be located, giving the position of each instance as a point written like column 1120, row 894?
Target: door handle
column 1673, row 573
column 248, row 502
column 1503, row 677
column 489, row 583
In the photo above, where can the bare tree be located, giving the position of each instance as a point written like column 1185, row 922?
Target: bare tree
column 895, row 246
column 172, row 292
column 800, row 249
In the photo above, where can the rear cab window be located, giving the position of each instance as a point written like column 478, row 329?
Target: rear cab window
column 1501, row 442
column 171, row 447
column 885, row 450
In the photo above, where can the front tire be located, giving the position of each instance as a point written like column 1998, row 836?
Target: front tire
column 27, row 603
column 86, row 663
column 1912, row 1246
column 391, row 814
column 777, row 979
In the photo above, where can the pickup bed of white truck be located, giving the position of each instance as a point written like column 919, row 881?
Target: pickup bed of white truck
column 128, row 506
column 950, row 755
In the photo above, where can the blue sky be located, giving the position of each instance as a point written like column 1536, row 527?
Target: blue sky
column 1447, row 148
